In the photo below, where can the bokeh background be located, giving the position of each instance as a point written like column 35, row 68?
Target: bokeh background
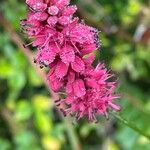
column 28, row 117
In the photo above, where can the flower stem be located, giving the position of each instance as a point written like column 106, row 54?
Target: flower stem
column 130, row 124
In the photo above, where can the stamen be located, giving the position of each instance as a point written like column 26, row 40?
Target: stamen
column 39, row 36
column 31, row 8
column 75, row 47
column 57, row 45
column 47, row 40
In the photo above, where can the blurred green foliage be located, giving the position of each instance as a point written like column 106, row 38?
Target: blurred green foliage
column 28, row 119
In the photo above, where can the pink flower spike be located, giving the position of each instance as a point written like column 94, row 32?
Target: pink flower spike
column 66, row 46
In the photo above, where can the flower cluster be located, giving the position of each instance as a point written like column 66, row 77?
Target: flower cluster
column 66, row 46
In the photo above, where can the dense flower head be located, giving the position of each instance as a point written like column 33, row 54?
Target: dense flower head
column 65, row 45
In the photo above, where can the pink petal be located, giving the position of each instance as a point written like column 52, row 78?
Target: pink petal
column 41, row 16
column 67, row 55
column 46, row 57
column 101, row 82
column 74, row 23
column 64, row 20
column 61, row 69
column 49, row 31
column 69, row 88
column 71, row 76
column 71, row 79
column 53, row 10
column 39, row 41
column 114, row 106
column 39, row 6
column 102, row 108
column 79, row 88
column 90, row 59
column 70, row 26
column 52, row 20
column 54, row 82
column 91, row 83
column 55, row 85
column 69, row 100
column 78, row 65
column 47, row 54
column 62, row 3
column 88, row 48
column 70, row 10
column 33, row 2
column 53, row 47
column 86, row 35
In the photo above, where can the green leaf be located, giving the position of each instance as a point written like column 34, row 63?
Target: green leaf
column 17, row 81
column 26, row 140
column 43, row 123
column 5, row 69
column 4, row 144
column 34, row 79
column 23, row 110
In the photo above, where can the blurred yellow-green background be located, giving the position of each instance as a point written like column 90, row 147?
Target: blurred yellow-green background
column 28, row 118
